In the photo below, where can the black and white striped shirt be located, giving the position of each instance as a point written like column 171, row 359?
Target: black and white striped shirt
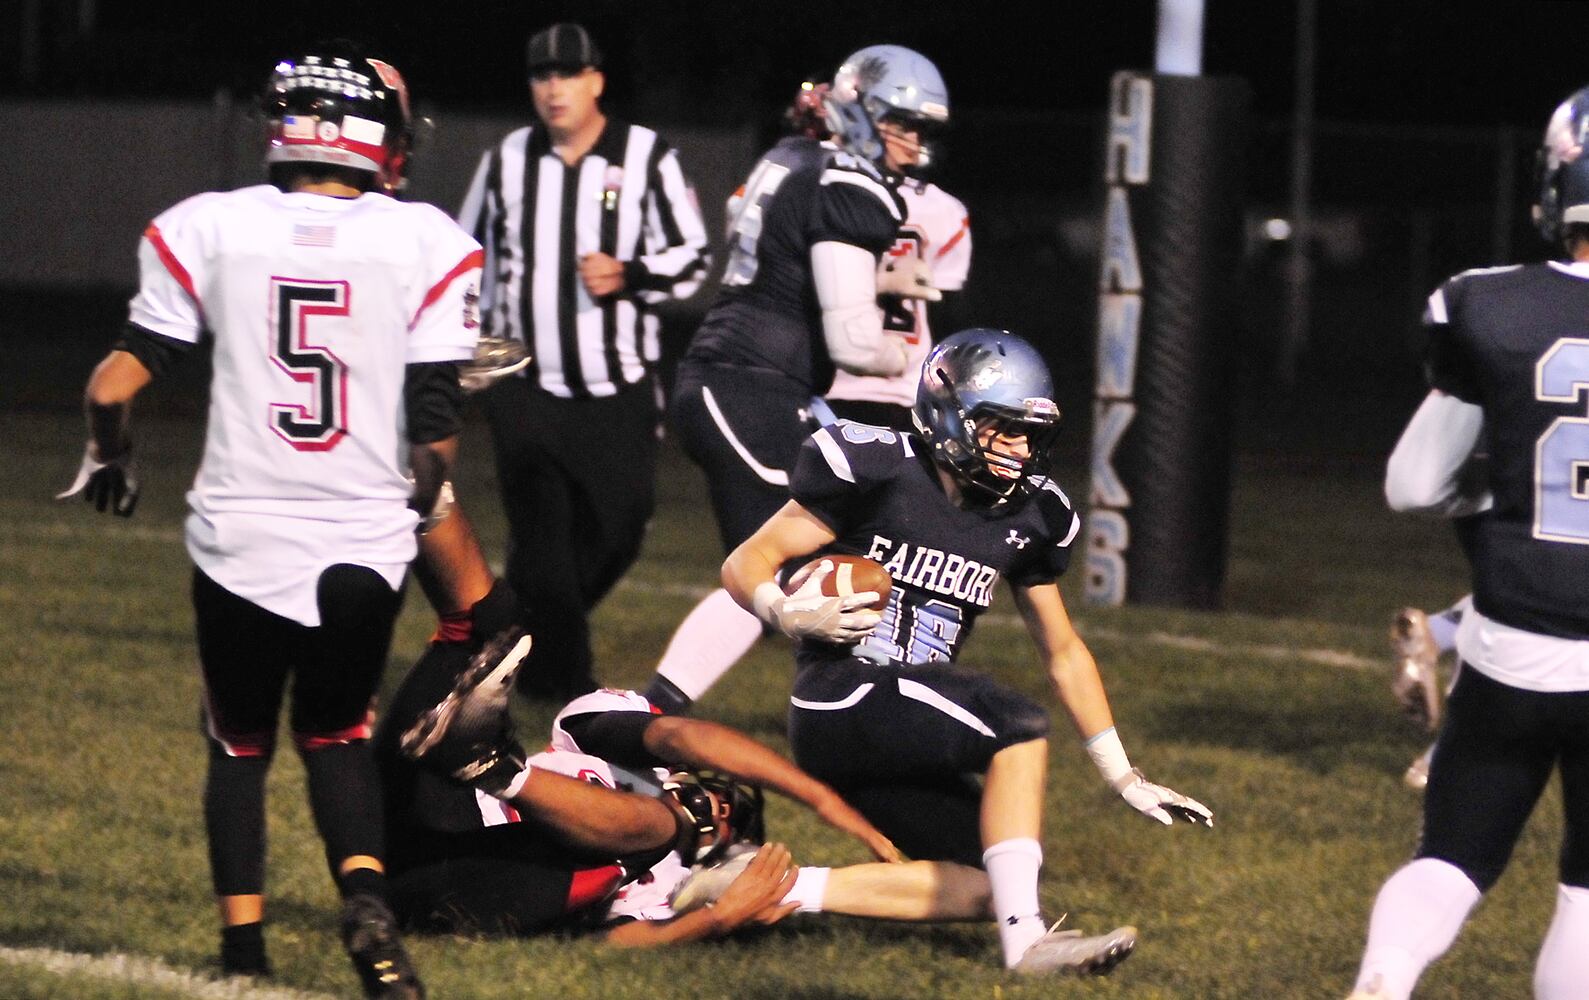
column 536, row 217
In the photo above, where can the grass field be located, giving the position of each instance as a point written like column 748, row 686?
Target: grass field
column 1274, row 712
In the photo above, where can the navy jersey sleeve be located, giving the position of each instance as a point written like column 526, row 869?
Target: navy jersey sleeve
column 855, row 206
column 1448, row 364
column 839, row 465
column 1061, row 526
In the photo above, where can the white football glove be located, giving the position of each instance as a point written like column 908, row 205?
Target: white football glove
column 810, row 614
column 109, row 485
column 1158, row 802
column 908, row 277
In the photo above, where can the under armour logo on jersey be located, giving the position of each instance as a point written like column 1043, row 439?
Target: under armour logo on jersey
column 1016, row 539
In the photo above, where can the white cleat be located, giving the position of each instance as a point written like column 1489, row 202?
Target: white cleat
column 476, row 708
column 705, row 886
column 1069, row 952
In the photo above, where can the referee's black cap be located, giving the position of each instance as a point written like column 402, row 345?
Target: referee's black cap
column 566, row 46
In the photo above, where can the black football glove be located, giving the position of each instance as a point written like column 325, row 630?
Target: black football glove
column 109, row 485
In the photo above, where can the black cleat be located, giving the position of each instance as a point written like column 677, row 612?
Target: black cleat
column 369, row 933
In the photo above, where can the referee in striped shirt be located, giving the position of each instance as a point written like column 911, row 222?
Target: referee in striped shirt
column 587, row 223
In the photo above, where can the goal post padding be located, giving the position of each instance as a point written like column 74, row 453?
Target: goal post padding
column 1158, row 523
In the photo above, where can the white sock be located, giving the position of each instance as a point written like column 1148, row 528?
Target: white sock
column 811, row 884
column 710, row 640
column 1417, row 915
column 1563, row 969
column 1012, row 867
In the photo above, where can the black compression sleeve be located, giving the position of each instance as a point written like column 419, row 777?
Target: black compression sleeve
column 618, row 737
column 434, row 401
column 155, row 351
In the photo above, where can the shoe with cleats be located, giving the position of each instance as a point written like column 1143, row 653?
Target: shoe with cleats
column 468, row 735
column 369, row 933
column 1070, row 952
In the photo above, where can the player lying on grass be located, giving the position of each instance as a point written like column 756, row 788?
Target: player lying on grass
column 518, row 851
column 879, row 709
column 479, row 866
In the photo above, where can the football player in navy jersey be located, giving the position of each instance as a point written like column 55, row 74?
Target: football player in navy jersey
column 879, row 709
column 1508, row 365
column 798, row 301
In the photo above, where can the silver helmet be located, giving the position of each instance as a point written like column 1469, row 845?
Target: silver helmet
column 885, row 81
column 980, row 385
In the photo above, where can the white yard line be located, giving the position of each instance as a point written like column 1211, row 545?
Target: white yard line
column 151, row 972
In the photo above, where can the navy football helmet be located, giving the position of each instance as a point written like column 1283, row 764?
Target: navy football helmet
column 978, row 387
column 724, row 812
column 343, row 109
column 885, row 82
column 1564, row 170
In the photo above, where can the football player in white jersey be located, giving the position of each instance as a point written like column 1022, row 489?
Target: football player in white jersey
column 339, row 316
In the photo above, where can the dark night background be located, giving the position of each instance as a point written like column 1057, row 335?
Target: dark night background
column 1428, row 114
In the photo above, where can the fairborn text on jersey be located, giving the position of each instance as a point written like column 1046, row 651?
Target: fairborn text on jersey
column 937, row 571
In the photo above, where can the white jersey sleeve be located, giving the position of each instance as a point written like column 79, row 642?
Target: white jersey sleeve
column 171, row 259
column 446, row 321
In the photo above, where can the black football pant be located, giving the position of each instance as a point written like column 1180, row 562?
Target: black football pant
column 578, row 487
column 1492, row 761
column 900, row 744
column 744, row 428
column 246, row 655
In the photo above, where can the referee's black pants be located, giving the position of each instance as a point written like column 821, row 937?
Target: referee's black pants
column 578, row 487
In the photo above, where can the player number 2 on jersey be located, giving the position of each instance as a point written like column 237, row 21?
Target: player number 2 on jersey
column 1561, row 455
column 321, row 423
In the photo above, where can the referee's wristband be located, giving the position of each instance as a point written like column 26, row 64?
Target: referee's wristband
column 1109, row 757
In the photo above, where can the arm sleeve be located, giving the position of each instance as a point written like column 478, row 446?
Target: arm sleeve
column 675, row 259
column 618, row 737
column 852, row 326
column 156, row 352
column 1425, row 472
column 433, row 401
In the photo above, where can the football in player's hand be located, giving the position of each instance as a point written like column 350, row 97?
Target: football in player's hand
column 849, row 575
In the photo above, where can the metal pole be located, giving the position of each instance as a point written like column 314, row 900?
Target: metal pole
column 1299, row 269
column 1180, row 39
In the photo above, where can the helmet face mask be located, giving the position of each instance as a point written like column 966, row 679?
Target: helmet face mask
column 1563, row 199
column 885, row 82
column 339, row 109
column 726, row 812
column 985, row 406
